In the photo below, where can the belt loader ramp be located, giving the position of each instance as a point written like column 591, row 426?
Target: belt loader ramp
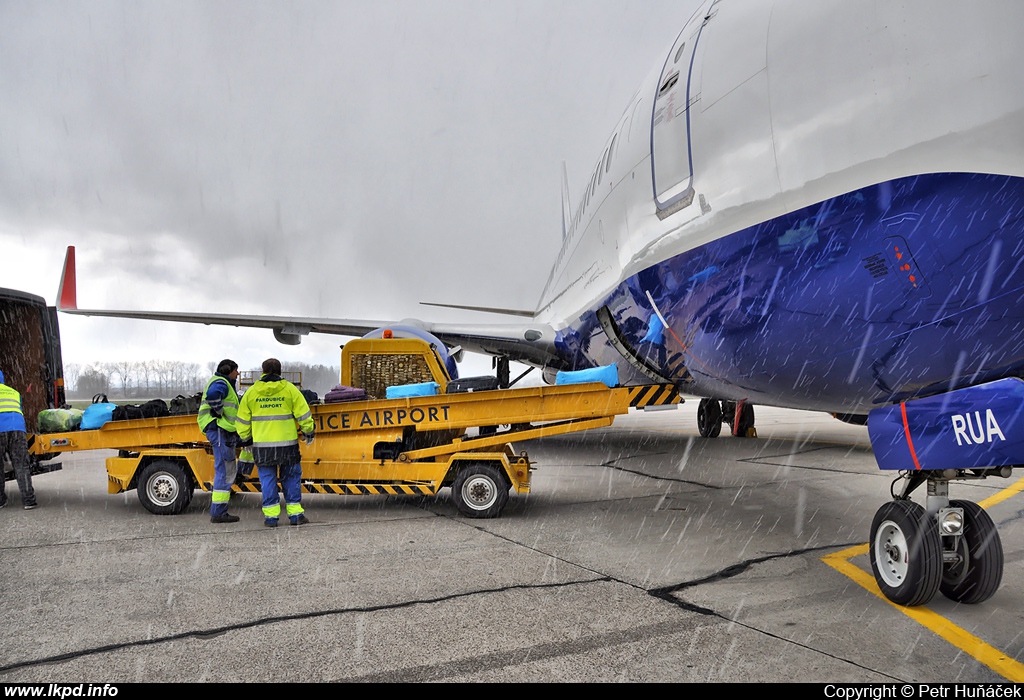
column 410, row 446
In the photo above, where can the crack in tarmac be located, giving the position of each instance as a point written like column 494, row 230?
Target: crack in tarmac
column 497, row 660
column 663, row 593
column 259, row 622
column 539, row 652
column 666, row 593
column 611, row 464
column 764, row 459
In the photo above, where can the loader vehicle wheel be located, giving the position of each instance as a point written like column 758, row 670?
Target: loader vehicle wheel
column 976, row 575
column 164, row 488
column 480, row 491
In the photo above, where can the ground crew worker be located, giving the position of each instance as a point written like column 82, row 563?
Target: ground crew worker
column 14, row 445
column 267, row 414
column 217, row 419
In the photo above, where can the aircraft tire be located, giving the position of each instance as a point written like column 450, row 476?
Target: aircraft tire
column 906, row 553
column 977, row 576
column 746, row 421
column 480, row 491
column 709, row 418
column 164, row 488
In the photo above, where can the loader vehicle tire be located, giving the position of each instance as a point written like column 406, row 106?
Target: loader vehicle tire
column 164, row 488
column 480, row 491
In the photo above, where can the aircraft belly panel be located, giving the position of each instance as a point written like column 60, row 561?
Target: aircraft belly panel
column 862, row 299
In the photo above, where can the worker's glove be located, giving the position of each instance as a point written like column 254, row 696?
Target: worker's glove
column 216, row 412
column 245, row 443
column 308, row 438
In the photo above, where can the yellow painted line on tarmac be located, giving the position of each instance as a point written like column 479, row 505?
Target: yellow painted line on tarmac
column 984, row 653
column 1003, row 495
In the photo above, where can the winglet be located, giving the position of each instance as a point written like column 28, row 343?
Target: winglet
column 67, row 297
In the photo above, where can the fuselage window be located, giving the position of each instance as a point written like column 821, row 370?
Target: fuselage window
column 679, row 53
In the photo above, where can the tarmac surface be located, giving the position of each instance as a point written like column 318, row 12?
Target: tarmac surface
column 644, row 553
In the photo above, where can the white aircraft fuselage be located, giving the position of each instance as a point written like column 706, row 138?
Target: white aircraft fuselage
column 823, row 200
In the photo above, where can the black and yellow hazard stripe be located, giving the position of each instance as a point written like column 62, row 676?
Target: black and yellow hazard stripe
column 653, row 395
column 349, row 489
column 352, row 489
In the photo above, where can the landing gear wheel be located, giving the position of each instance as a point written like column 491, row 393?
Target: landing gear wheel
column 906, row 553
column 709, row 418
column 480, row 491
column 164, row 488
column 976, row 577
column 746, row 421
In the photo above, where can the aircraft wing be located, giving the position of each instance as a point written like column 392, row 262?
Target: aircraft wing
column 526, row 342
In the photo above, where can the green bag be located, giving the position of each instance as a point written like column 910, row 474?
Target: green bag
column 59, row 420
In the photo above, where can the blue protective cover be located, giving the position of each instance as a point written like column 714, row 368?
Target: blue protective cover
column 407, row 390
column 96, row 415
column 980, row 426
column 607, row 374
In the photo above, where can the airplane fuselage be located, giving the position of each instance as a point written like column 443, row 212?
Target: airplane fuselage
column 824, row 201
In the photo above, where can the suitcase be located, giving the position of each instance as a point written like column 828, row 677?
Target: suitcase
column 344, row 393
column 403, row 391
column 465, row 384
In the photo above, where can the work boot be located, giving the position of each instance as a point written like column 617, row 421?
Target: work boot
column 270, row 522
column 31, row 506
column 226, row 518
column 301, row 520
column 3, row 502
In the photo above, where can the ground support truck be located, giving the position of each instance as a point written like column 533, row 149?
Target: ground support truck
column 409, row 446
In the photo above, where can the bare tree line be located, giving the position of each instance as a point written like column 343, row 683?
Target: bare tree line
column 133, row 379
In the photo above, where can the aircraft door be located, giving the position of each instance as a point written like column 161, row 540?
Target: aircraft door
column 671, row 162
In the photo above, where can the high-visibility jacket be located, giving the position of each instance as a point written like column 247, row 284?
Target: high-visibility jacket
column 228, row 406
column 268, row 413
column 11, row 417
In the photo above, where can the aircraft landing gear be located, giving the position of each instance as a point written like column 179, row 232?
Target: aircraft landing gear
column 711, row 413
column 951, row 547
column 709, row 418
column 976, row 569
column 906, row 553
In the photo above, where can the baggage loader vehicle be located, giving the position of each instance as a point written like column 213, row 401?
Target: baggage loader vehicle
column 415, row 446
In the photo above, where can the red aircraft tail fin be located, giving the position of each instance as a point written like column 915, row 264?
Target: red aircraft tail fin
column 67, row 297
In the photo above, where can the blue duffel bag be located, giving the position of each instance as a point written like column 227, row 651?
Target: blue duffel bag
column 607, row 374
column 98, row 413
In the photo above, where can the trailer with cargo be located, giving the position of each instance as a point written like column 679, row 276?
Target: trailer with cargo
column 413, row 446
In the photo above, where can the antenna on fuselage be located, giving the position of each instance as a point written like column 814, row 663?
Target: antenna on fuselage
column 566, row 206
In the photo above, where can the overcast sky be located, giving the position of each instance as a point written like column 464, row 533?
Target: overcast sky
column 342, row 159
